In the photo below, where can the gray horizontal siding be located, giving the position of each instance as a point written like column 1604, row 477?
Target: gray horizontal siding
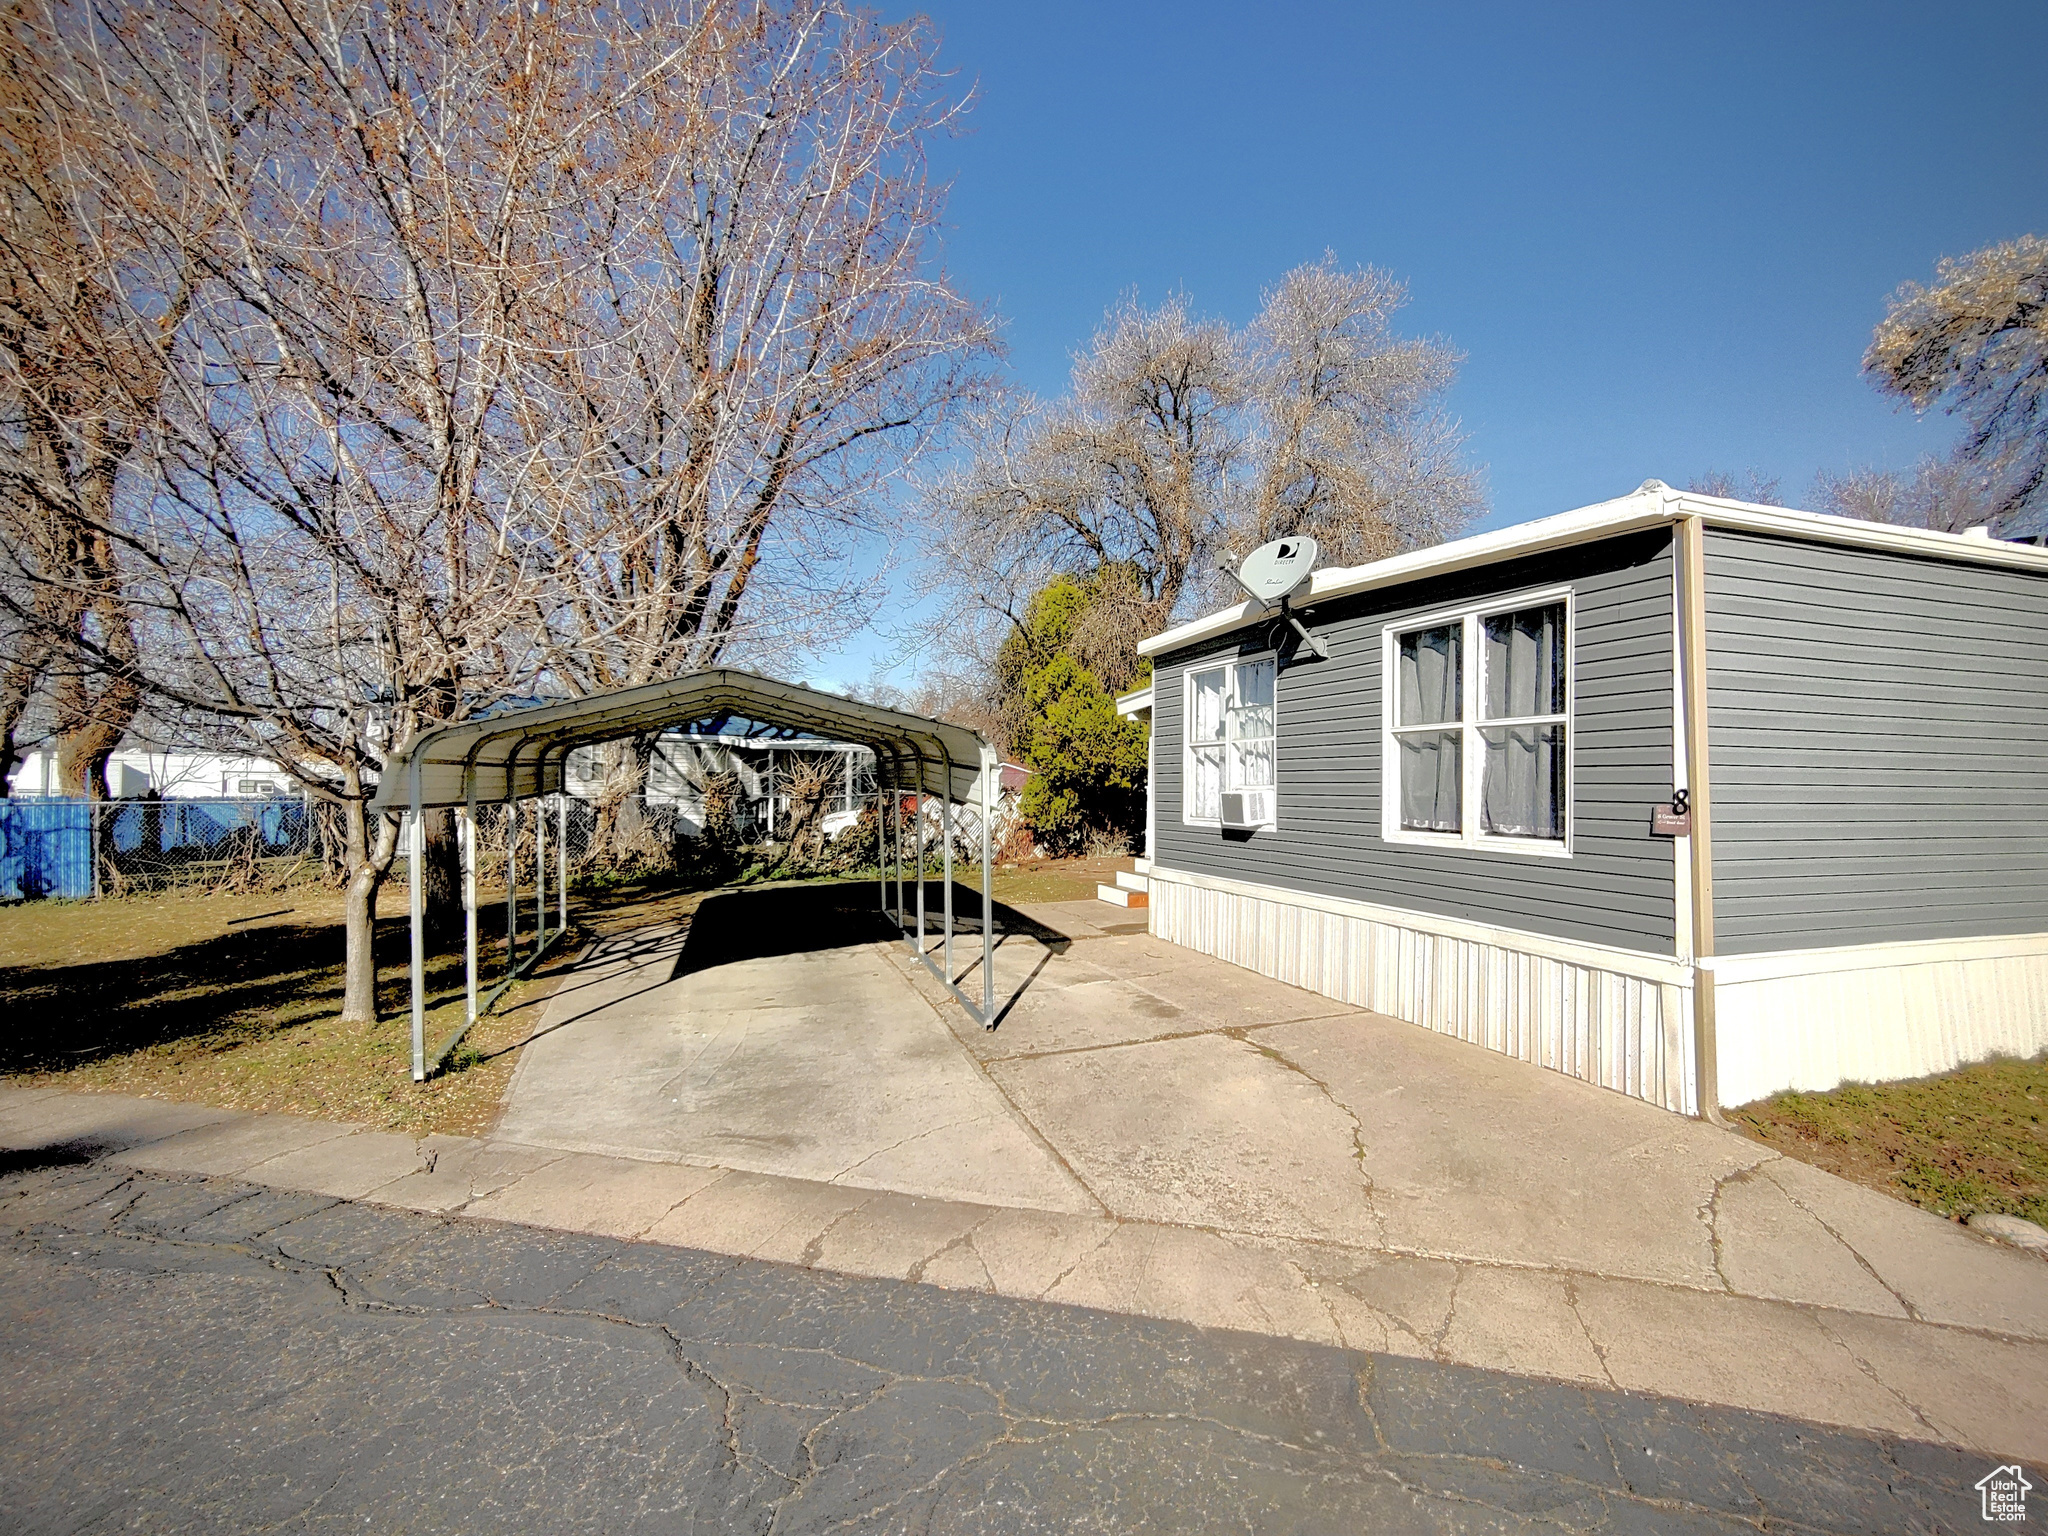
column 1617, row 888
column 1877, row 734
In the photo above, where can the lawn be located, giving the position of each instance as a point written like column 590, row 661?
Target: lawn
column 1967, row 1141
column 232, row 1000
column 1039, row 880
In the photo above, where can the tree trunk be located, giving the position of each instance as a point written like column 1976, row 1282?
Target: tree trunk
column 82, row 755
column 621, row 835
column 367, row 866
column 442, row 872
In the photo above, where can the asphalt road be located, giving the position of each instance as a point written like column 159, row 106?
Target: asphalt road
column 201, row 1355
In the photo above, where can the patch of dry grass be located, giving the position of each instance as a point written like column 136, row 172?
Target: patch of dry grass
column 1041, row 880
column 233, row 1001
column 1967, row 1141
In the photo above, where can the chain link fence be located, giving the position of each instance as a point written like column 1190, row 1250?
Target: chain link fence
column 80, row 849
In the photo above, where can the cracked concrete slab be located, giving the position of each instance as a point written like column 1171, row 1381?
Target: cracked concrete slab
column 457, row 1170
column 1833, row 1365
column 1519, row 1320
column 758, row 1215
column 1772, row 1246
column 1197, row 1277
column 1474, row 1155
column 1934, row 1267
column 581, row 1192
column 1735, row 1350
column 1343, row 1178
column 1018, row 1253
column 347, row 1167
column 226, row 1146
column 1205, row 1131
column 168, row 1371
column 894, row 1237
column 1382, row 1301
column 1962, row 1386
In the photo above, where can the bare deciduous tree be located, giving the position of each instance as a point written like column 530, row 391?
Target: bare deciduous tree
column 1948, row 495
column 1977, row 339
column 764, row 345
column 73, row 389
column 1755, row 487
column 1351, row 445
column 1181, row 440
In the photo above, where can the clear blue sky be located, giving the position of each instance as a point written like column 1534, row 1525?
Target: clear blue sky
column 1660, row 234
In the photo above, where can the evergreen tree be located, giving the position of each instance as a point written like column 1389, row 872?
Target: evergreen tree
column 1088, row 761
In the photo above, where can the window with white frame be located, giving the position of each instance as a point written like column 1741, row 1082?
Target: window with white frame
column 1477, row 728
column 1230, row 742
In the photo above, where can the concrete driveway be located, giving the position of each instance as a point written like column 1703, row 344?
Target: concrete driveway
column 778, row 1038
column 1153, row 1131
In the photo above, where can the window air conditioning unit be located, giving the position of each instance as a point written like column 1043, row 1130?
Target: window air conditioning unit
column 1244, row 809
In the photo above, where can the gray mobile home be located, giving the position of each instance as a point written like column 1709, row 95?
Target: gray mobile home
column 1694, row 799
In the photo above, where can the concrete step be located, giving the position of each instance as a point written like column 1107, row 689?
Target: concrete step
column 1131, row 882
column 1117, row 896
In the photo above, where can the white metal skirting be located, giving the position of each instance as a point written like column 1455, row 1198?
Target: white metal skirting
column 1875, row 1014
column 1596, row 1017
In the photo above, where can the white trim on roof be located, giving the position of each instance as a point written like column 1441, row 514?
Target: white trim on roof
column 1651, row 506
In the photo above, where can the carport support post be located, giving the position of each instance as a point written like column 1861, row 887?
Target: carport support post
column 415, row 859
column 540, row 878
column 946, row 857
column 881, row 851
column 920, row 856
column 562, row 856
column 991, row 770
column 511, row 883
column 469, row 898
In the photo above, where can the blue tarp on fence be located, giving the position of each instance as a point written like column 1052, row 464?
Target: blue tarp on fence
column 203, row 826
column 47, row 845
column 45, row 849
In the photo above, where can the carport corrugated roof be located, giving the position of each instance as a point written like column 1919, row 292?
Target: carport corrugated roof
column 522, row 752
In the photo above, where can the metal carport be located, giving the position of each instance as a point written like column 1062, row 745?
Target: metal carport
column 522, row 755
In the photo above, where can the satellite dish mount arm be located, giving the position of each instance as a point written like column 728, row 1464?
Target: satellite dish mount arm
column 1313, row 644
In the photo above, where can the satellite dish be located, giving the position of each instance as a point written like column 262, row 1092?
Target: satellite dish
column 1274, row 571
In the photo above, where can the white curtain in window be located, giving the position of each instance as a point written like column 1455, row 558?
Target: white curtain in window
column 1251, row 727
column 1208, row 722
column 1525, row 663
column 1522, row 784
column 1431, row 764
column 1431, row 676
column 1522, row 792
column 1206, row 786
column 1205, row 744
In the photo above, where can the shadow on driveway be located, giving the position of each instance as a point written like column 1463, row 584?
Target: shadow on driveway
column 803, row 919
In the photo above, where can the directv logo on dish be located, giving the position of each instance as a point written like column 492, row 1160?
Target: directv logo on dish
column 2005, row 1495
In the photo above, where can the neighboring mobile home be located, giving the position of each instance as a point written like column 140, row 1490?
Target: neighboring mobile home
column 1671, row 793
